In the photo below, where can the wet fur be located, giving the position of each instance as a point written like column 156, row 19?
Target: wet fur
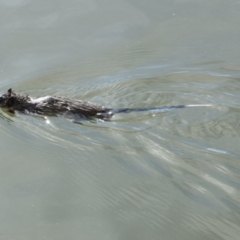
column 54, row 106
column 51, row 106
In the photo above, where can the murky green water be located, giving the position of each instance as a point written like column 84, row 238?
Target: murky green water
column 155, row 175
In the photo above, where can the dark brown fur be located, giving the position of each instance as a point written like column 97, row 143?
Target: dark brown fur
column 51, row 106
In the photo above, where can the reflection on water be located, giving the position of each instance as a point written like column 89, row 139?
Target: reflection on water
column 170, row 174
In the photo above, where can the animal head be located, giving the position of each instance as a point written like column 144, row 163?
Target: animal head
column 7, row 100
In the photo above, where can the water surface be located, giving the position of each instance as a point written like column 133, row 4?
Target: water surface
column 169, row 175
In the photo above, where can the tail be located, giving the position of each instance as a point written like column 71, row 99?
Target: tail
column 157, row 109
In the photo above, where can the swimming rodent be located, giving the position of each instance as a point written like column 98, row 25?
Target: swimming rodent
column 54, row 106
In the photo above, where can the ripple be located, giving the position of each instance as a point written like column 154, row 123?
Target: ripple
column 141, row 167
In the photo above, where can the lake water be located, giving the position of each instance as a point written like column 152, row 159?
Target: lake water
column 169, row 175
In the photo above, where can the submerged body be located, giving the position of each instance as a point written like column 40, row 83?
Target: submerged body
column 51, row 105
column 54, row 106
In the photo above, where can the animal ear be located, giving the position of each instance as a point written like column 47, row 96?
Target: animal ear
column 9, row 91
column 10, row 102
